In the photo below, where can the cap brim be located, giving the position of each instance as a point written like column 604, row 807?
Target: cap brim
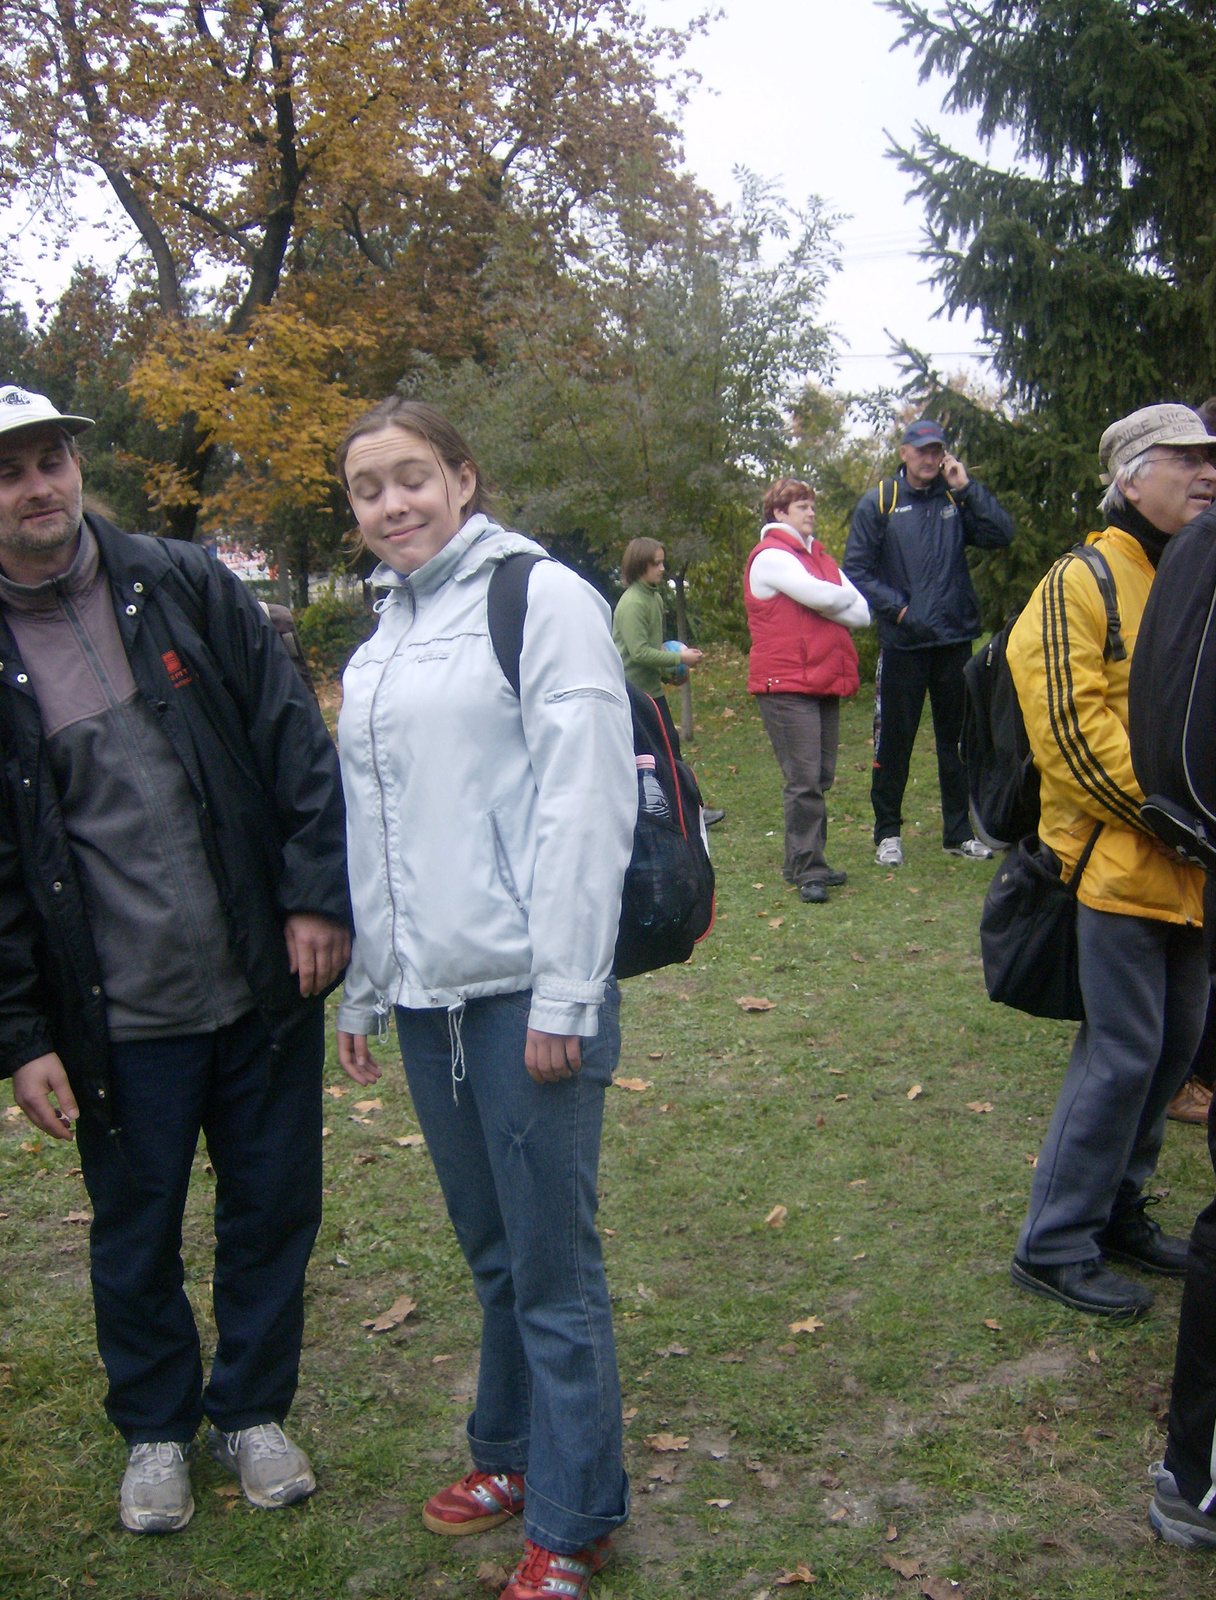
column 72, row 425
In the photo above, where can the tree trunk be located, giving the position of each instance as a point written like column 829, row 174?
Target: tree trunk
column 282, row 576
column 687, row 729
column 299, row 571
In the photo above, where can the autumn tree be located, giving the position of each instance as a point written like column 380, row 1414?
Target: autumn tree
column 315, row 183
column 1090, row 258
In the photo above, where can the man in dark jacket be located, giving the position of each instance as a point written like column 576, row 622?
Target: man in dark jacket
column 906, row 555
column 173, row 907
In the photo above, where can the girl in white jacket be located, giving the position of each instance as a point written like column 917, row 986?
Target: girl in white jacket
column 489, row 835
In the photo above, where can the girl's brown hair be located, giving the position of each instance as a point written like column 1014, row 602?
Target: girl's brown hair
column 415, row 416
column 783, row 493
column 639, row 554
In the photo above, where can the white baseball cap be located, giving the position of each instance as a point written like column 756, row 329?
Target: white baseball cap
column 20, row 408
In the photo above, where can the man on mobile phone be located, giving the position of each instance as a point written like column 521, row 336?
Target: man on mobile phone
column 907, row 555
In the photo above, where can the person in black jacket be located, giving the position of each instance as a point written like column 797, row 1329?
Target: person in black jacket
column 173, row 907
column 906, row 553
column 1172, row 728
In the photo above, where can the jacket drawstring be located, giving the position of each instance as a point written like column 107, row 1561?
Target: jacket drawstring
column 456, row 1040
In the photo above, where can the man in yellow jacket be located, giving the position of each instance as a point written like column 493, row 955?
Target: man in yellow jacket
column 1142, row 966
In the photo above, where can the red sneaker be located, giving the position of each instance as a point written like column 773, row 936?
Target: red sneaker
column 479, row 1501
column 542, row 1574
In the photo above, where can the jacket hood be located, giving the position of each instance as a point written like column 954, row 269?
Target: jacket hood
column 477, row 542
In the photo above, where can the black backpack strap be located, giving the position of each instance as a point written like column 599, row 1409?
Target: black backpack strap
column 888, row 494
column 506, row 608
column 1097, row 563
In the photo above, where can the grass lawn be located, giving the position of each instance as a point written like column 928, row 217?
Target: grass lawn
column 938, row 1421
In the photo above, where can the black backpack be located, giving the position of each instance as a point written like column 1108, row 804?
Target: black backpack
column 667, row 903
column 1002, row 783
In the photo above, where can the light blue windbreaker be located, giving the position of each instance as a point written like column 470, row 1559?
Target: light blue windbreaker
column 488, row 836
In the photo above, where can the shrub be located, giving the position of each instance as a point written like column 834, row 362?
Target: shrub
column 331, row 630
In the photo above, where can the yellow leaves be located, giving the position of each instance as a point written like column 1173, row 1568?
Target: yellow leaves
column 799, row 1574
column 337, row 1090
column 410, row 1141
column 979, row 1106
column 393, row 1317
column 807, row 1325
column 666, row 1443
column 991, row 1322
column 11, row 1113
column 906, row 1566
column 77, row 1216
column 915, row 1092
column 776, row 922
column 634, row 1085
column 719, row 1505
column 364, row 1106
column 755, row 1002
column 777, row 1217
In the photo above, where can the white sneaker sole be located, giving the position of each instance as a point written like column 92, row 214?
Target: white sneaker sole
column 155, row 1521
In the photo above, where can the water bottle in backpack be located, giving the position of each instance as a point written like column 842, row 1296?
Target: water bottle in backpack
column 651, row 799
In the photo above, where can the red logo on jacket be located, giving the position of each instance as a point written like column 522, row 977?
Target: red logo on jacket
column 179, row 676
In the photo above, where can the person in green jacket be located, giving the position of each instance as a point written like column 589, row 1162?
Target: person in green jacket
column 637, row 631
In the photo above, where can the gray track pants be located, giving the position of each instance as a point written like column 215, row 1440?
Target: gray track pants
column 1145, row 985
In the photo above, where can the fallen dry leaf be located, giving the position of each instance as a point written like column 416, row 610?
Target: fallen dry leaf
column 720, row 1505
column 807, row 1325
column 227, row 1490
column 755, row 1002
column 12, row 1113
column 1094, row 1359
column 916, row 949
column 655, row 1055
column 891, row 1534
column 915, row 1092
column 325, row 1132
column 396, row 1313
column 1039, row 1433
column 364, row 1122
column 940, row 1589
column 366, row 1159
column 767, row 1478
column 77, row 1216
column 990, row 1322
column 860, row 960
column 821, row 1121
column 830, row 1481
column 836, row 1072
column 31, row 1146
column 410, row 1141
column 664, row 1443
column 774, row 922
column 979, row 1105
column 665, row 1472
column 727, row 712
column 757, row 886
column 840, row 1513
column 858, row 1183
column 493, row 1577
column 787, row 1349
column 635, row 1085
column 734, row 1359
column 1031, row 1161
column 628, row 1416
column 673, row 1349
column 906, row 1566
column 860, row 1256
column 776, row 1217
column 800, row 1574
column 337, row 1090
column 838, row 1098
column 369, row 1105
column 6, row 1374
column 717, row 1453
column 436, row 1360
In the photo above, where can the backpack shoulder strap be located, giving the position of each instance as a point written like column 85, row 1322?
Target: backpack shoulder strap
column 888, row 493
column 1097, row 563
column 506, row 608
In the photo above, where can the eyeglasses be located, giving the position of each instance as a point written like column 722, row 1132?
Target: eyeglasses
column 1192, row 460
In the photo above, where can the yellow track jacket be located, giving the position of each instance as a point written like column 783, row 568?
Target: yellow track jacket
column 1075, row 706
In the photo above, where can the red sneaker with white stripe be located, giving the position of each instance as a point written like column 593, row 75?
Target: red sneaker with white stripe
column 479, row 1501
column 544, row 1575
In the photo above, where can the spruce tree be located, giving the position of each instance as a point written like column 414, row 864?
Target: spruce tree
column 1091, row 260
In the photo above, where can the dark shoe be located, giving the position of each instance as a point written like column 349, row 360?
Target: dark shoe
column 1132, row 1236
column 1085, row 1286
column 711, row 816
column 813, row 894
column 1176, row 1520
column 836, row 880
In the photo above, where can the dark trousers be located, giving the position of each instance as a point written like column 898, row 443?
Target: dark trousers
column 1145, row 987
column 804, row 730
column 1190, row 1451
column 258, row 1104
column 899, row 698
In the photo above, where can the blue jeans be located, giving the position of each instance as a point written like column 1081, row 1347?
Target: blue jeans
column 518, row 1163
column 258, row 1102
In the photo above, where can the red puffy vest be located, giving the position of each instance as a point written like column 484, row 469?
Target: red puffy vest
column 794, row 649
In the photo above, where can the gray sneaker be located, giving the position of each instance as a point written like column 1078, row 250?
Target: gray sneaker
column 155, row 1495
column 273, row 1471
column 890, row 852
column 970, row 850
column 1176, row 1520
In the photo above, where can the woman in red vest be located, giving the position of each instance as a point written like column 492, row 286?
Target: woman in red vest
column 800, row 608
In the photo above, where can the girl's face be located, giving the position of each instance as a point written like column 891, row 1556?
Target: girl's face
column 407, row 502
column 654, row 572
column 800, row 515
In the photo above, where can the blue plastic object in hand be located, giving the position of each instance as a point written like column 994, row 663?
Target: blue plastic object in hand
column 674, row 644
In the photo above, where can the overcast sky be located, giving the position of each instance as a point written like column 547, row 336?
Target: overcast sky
column 800, row 91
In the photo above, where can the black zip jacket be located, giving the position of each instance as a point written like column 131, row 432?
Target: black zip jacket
column 914, row 557
column 264, row 775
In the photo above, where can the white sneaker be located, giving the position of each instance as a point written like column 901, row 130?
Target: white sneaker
column 273, row 1471
column 155, row 1495
column 890, row 852
column 972, row 849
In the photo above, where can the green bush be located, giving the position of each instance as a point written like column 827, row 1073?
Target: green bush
column 331, row 630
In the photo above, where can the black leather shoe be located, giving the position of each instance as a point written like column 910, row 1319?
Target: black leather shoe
column 1085, row 1286
column 814, row 894
column 711, row 815
column 1131, row 1235
column 836, row 880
